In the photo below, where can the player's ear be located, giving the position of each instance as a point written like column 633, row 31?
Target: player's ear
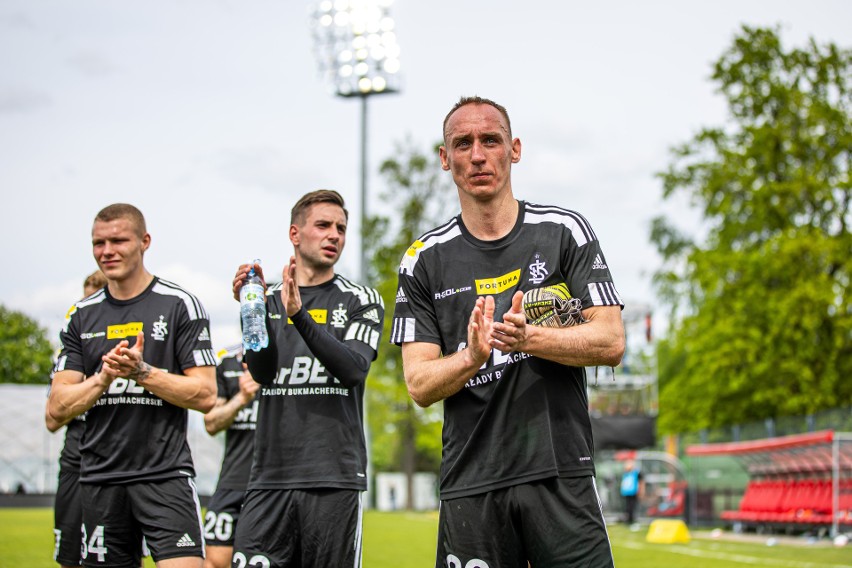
column 442, row 153
column 146, row 241
column 516, row 150
column 294, row 235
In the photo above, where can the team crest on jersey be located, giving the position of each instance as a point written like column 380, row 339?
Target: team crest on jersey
column 339, row 317
column 538, row 270
column 160, row 329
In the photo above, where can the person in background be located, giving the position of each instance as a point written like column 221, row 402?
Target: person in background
column 235, row 413
column 67, row 509
column 632, row 489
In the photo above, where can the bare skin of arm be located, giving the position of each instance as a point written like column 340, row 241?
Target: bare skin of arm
column 72, row 394
column 225, row 412
column 431, row 378
column 195, row 389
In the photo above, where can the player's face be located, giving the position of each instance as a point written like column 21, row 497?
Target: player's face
column 118, row 249
column 321, row 238
column 479, row 151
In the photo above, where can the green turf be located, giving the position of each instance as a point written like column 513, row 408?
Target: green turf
column 407, row 540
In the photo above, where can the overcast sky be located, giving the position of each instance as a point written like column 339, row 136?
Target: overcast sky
column 212, row 118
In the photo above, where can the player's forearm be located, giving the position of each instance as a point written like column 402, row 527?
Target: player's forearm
column 187, row 391
column 590, row 344
column 52, row 424
column 223, row 415
column 433, row 380
column 343, row 363
column 70, row 400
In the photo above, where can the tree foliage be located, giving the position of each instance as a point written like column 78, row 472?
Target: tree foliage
column 26, row 355
column 404, row 437
column 762, row 320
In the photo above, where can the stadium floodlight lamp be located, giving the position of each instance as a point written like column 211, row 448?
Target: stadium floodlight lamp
column 356, row 46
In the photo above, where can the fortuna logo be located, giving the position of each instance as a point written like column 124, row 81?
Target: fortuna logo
column 372, row 315
column 160, row 330
column 205, row 335
column 599, row 263
column 400, row 297
column 338, row 317
column 538, row 272
column 498, row 284
column 120, row 331
column 185, row 540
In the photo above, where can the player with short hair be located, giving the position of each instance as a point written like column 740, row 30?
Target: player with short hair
column 517, row 471
column 235, row 413
column 136, row 469
column 303, row 503
column 67, row 510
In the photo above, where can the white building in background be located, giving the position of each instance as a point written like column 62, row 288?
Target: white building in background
column 392, row 491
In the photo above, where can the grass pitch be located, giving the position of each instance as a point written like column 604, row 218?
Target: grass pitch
column 407, row 540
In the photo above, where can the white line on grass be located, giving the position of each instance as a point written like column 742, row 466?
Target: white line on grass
column 732, row 557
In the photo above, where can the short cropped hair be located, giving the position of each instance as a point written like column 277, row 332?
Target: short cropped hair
column 476, row 100
column 95, row 280
column 299, row 212
column 123, row 211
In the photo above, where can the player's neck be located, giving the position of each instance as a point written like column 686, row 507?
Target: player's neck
column 490, row 220
column 307, row 275
column 131, row 286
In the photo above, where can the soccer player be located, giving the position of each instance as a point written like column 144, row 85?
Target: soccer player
column 517, row 473
column 235, row 413
column 134, row 356
column 67, row 511
column 303, row 504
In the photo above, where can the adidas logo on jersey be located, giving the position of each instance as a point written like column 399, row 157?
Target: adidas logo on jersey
column 205, row 335
column 598, row 264
column 400, row 297
column 185, row 540
column 372, row 315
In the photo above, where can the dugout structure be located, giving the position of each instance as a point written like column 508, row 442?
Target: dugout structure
column 800, row 482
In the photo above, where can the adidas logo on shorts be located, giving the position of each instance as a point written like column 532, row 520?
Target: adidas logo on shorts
column 185, row 540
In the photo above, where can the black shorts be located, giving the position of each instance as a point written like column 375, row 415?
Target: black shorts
column 116, row 517
column 67, row 519
column 220, row 520
column 299, row 527
column 548, row 523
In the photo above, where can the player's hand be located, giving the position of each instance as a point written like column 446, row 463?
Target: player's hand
column 248, row 387
column 511, row 334
column 479, row 330
column 125, row 361
column 242, row 275
column 290, row 297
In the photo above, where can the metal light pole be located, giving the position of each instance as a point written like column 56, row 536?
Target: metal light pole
column 357, row 51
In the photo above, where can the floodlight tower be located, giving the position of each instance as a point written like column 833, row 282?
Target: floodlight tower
column 357, row 52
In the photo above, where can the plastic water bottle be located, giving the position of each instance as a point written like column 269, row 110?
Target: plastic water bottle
column 253, row 312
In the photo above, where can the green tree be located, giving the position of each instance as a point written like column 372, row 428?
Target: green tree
column 762, row 320
column 404, row 437
column 26, row 355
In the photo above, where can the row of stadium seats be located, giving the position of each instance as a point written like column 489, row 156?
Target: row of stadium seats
column 806, row 501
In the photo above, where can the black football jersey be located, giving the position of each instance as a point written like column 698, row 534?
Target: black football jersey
column 239, row 437
column 519, row 418
column 310, row 430
column 131, row 434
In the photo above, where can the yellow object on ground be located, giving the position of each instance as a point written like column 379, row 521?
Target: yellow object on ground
column 665, row 531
